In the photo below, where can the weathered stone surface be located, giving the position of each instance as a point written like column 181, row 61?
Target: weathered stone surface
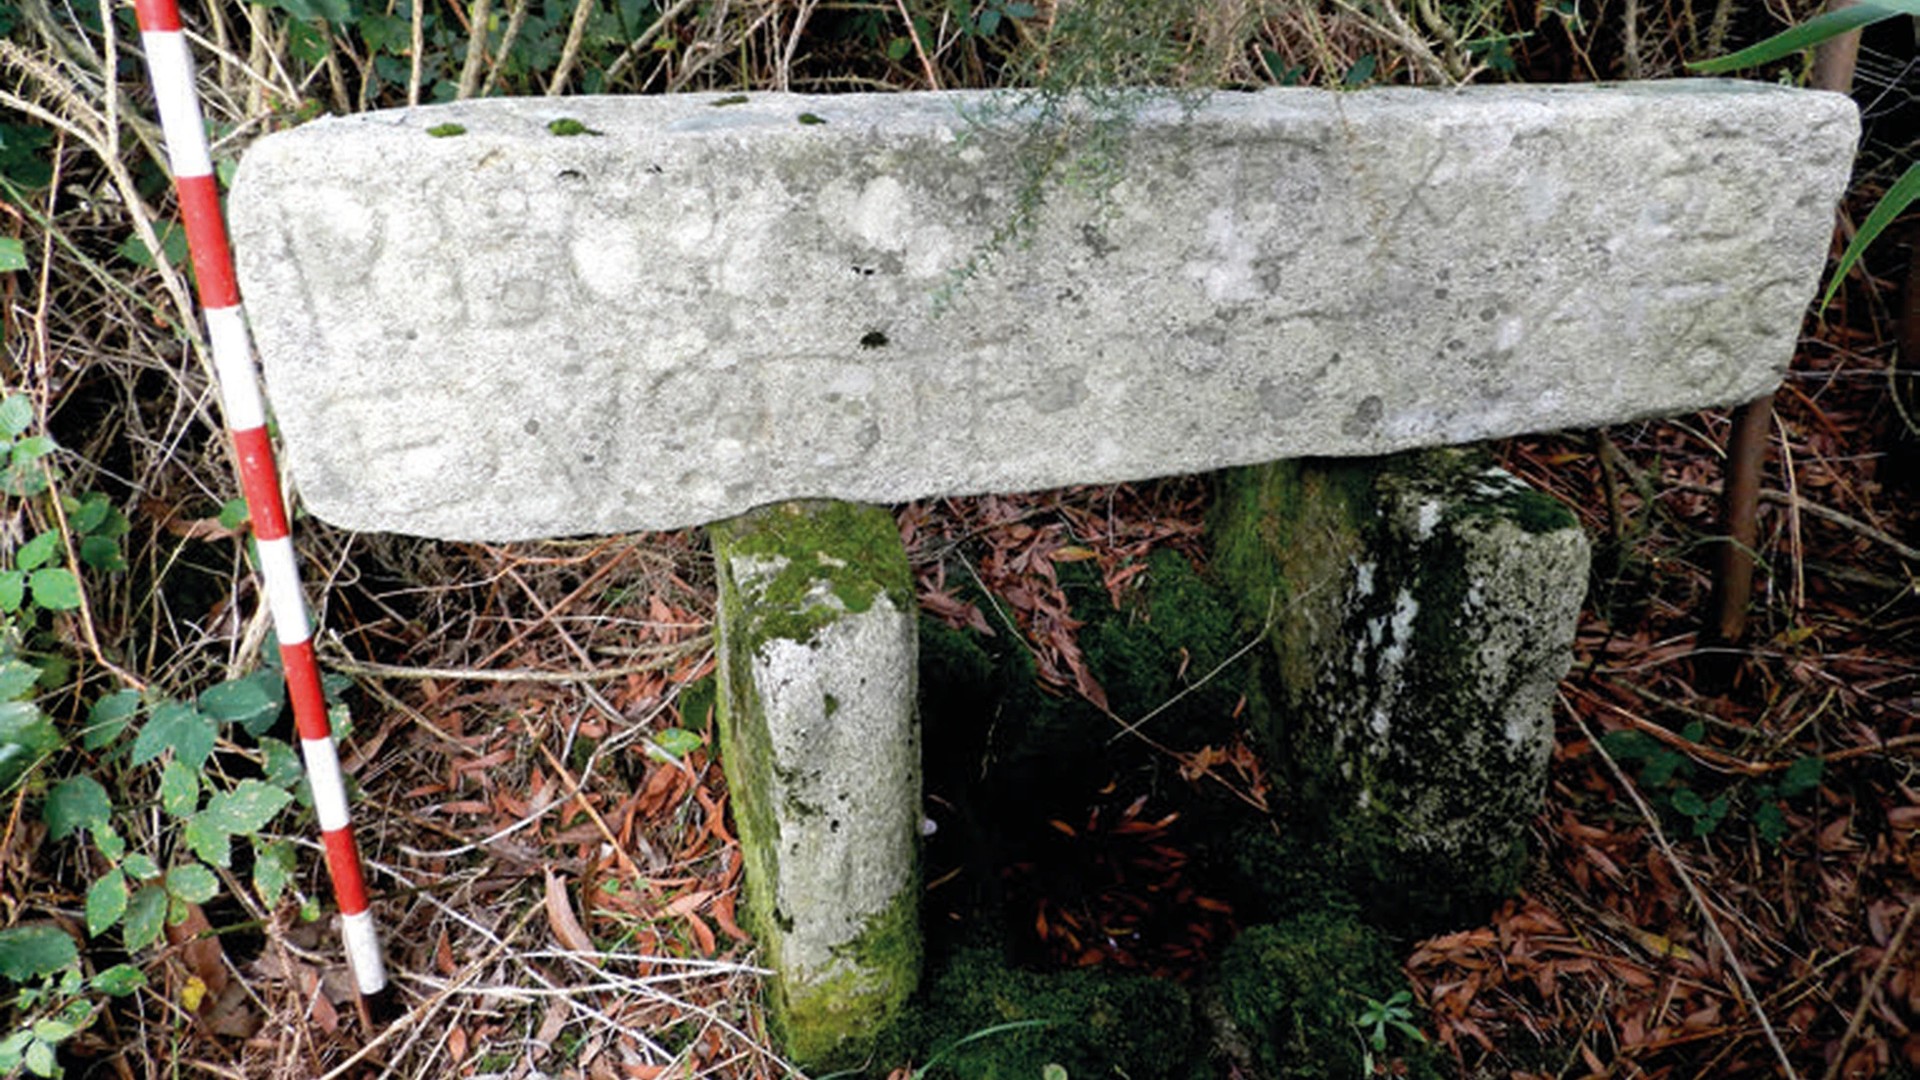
column 1424, row 611
column 818, row 668
column 695, row 307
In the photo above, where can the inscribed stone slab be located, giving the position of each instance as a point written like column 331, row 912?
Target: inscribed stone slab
column 699, row 305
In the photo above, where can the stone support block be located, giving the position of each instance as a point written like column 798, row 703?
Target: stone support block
column 1422, row 611
column 818, row 653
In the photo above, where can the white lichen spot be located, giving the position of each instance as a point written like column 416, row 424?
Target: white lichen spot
column 1428, row 517
column 753, row 573
column 1405, row 608
column 1363, row 579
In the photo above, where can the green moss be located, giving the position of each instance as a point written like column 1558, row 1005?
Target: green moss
column 567, row 126
column 730, row 99
column 810, row 119
column 1294, row 990
column 445, row 131
column 1098, row 1024
column 806, row 552
column 838, row 1022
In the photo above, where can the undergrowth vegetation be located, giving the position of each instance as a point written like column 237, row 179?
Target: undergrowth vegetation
column 543, row 816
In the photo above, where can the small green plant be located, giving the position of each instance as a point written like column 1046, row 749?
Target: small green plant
column 1668, row 777
column 1378, row 1020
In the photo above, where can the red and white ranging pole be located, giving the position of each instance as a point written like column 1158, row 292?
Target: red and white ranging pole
column 170, row 67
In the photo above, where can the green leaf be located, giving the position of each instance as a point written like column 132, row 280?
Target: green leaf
column 678, row 742
column 102, row 553
column 1688, row 802
column 109, row 717
column 273, row 869
column 252, row 701
column 233, row 513
column 16, row 679
column 33, row 952
column 111, row 844
column 173, row 246
column 55, row 589
column 146, row 915
column 247, row 808
column 178, row 727
column 40, row 1059
column 16, row 415
column 1770, row 823
column 1802, row 776
column 89, row 514
column 78, row 802
column 35, row 552
column 1361, row 71
column 208, row 840
column 192, row 882
column 333, row 11
column 179, row 788
column 141, row 867
column 282, row 766
column 1829, row 24
column 29, row 450
column 106, row 901
column 1695, row 731
column 1891, row 205
column 13, row 590
column 13, row 254
column 26, row 736
column 119, row 980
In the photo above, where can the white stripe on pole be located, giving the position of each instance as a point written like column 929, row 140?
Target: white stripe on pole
column 363, row 951
column 282, row 576
column 233, row 363
column 172, row 69
column 329, row 786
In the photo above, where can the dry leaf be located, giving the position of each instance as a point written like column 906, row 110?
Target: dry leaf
column 560, row 917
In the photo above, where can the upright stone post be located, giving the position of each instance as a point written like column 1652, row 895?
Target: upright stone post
column 818, row 659
column 1422, row 610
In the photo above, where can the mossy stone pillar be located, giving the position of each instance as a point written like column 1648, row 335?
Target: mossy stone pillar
column 818, row 657
column 1423, row 608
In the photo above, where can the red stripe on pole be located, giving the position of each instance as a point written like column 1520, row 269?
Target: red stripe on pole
column 343, row 861
column 157, row 14
column 260, row 483
column 303, row 686
column 207, row 240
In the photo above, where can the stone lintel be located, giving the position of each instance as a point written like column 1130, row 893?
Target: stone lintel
column 518, row 318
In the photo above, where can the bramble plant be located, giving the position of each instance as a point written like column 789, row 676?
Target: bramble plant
column 135, row 890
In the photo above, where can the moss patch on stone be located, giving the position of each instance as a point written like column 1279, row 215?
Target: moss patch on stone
column 839, row 1021
column 855, row 550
